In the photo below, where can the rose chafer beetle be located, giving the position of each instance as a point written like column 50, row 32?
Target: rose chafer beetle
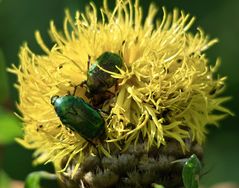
column 99, row 80
column 76, row 114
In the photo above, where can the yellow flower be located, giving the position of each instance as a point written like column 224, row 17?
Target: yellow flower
column 166, row 89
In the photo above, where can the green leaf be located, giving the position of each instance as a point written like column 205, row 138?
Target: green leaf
column 34, row 178
column 4, row 180
column 10, row 127
column 191, row 172
column 157, row 185
column 4, row 85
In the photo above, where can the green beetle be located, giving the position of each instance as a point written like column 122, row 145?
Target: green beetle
column 76, row 114
column 97, row 79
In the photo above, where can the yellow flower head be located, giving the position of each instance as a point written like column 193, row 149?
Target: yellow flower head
column 165, row 90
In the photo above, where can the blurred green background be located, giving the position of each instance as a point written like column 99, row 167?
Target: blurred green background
column 20, row 18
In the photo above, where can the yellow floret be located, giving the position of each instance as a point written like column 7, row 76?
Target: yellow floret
column 166, row 89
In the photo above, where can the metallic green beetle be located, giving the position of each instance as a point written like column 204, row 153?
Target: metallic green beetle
column 76, row 114
column 97, row 79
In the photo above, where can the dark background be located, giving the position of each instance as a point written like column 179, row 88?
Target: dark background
column 20, row 18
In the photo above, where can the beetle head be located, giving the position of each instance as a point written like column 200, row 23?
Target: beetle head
column 53, row 99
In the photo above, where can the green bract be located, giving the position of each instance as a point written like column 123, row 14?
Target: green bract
column 191, row 172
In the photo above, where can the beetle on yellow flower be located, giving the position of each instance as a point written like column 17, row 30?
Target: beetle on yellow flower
column 165, row 89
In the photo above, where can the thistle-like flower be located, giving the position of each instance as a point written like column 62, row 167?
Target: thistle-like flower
column 164, row 96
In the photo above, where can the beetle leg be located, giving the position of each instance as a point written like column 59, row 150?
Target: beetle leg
column 88, row 62
column 83, row 84
column 116, row 87
column 59, row 126
column 105, row 112
column 68, row 93
column 97, row 150
column 75, row 88
column 110, row 93
column 71, row 85
column 123, row 46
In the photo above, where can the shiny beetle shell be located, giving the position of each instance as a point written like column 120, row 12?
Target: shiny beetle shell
column 97, row 79
column 76, row 114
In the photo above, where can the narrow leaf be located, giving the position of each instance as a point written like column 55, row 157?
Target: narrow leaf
column 34, row 178
column 4, row 180
column 157, row 185
column 3, row 79
column 10, row 127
